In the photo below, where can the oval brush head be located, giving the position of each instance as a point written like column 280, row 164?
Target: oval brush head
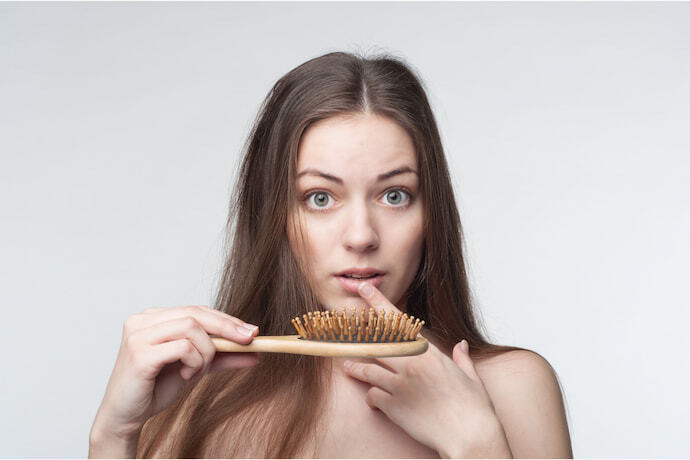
column 342, row 334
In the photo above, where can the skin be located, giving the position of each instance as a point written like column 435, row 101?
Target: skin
column 362, row 222
column 439, row 401
column 437, row 398
column 162, row 348
column 509, row 406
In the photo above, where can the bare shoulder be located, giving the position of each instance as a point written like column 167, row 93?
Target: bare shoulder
column 527, row 398
column 512, row 363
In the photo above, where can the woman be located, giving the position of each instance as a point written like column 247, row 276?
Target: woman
column 344, row 176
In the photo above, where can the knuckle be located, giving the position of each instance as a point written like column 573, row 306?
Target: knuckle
column 228, row 315
column 190, row 309
column 412, row 369
column 131, row 340
column 187, row 347
column 235, row 328
column 372, row 398
column 189, row 323
column 368, row 397
column 206, row 363
column 130, row 324
column 233, row 331
column 365, row 371
column 208, row 348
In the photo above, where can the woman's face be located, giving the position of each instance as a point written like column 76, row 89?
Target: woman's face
column 358, row 207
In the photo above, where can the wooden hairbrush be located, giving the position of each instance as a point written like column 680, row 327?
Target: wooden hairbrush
column 341, row 334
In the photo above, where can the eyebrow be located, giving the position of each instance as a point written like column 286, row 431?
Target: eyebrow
column 337, row 180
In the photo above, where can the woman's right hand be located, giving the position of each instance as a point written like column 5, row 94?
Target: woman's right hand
column 162, row 348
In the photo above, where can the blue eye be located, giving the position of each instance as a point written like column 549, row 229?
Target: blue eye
column 320, row 199
column 395, row 196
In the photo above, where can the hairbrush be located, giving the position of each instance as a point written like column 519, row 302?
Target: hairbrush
column 341, row 334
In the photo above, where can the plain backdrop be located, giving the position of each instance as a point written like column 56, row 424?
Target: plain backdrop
column 565, row 126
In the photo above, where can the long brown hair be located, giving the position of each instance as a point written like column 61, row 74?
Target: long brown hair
column 270, row 409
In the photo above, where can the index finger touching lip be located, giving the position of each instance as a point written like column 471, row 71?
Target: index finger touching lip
column 379, row 302
column 376, row 299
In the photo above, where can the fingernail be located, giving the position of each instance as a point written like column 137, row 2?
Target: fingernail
column 244, row 331
column 347, row 364
column 365, row 289
column 251, row 327
column 464, row 346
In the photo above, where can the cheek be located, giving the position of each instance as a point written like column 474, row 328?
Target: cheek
column 412, row 245
column 311, row 240
column 319, row 244
column 413, row 231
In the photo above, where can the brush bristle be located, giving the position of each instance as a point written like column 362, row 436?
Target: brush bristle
column 343, row 327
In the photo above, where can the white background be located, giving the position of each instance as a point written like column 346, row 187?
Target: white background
column 565, row 125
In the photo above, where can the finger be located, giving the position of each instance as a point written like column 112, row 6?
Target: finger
column 169, row 352
column 400, row 364
column 464, row 361
column 394, row 364
column 378, row 399
column 179, row 328
column 226, row 361
column 375, row 298
column 221, row 314
column 397, row 364
column 372, row 374
column 222, row 325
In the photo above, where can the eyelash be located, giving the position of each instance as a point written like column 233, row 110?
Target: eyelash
column 410, row 198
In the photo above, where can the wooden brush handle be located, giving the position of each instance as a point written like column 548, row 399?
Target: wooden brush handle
column 294, row 345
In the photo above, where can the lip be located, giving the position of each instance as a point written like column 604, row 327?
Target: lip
column 364, row 271
column 350, row 284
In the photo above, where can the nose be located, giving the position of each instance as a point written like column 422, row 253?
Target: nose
column 360, row 234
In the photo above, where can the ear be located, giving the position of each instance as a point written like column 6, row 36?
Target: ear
column 461, row 357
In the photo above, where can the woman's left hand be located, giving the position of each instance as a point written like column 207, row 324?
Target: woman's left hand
column 440, row 402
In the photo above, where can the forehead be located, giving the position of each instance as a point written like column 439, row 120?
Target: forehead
column 356, row 144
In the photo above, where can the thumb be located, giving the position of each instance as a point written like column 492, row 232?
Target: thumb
column 461, row 357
